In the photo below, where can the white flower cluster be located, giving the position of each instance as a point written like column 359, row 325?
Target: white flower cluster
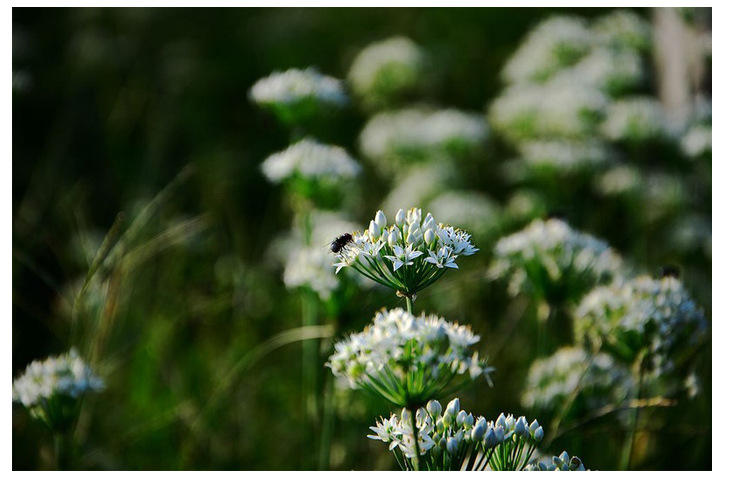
column 307, row 263
column 623, row 29
column 64, row 375
column 418, row 133
column 407, row 359
column 386, row 68
column 472, row 210
column 552, row 110
column 619, row 180
column 552, row 380
column 296, row 86
column 310, row 160
column 562, row 462
column 561, row 84
column 456, row 440
column 626, row 317
column 407, row 256
column 636, row 118
column 552, row 45
column 564, row 155
column 554, row 262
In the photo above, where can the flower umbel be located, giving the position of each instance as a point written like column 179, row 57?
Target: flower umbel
column 456, row 440
column 407, row 256
column 51, row 388
column 407, row 359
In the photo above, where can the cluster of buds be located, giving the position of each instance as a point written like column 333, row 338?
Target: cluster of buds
column 407, row 256
column 456, row 440
column 562, row 462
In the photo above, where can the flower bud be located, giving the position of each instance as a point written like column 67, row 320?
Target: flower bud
column 461, row 417
column 429, row 222
column 448, row 419
column 539, row 433
column 489, row 439
column 400, row 217
column 434, row 408
column 374, row 230
column 453, row 407
column 452, row 445
column 501, row 420
column 380, row 219
column 479, row 430
column 429, row 236
column 469, row 420
column 500, row 434
column 405, row 415
column 393, row 237
column 520, row 427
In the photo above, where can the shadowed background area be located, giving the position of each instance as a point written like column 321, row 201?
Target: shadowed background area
column 146, row 235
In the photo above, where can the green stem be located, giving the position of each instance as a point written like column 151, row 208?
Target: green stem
column 629, row 442
column 416, row 438
column 409, row 305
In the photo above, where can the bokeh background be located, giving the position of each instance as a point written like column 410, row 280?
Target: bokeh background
column 133, row 136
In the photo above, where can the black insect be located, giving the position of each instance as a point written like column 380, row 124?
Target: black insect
column 340, row 243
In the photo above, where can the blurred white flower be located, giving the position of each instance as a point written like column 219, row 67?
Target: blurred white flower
column 628, row 317
column 697, row 141
column 553, row 44
column 623, row 29
column 554, row 262
column 605, row 69
column 294, row 86
column 386, row 68
column 311, row 160
column 552, row 110
column 597, row 377
column 416, row 133
column 636, row 118
column 564, row 155
column 50, row 389
column 619, row 180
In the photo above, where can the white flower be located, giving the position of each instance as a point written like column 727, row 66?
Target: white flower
column 311, row 160
column 550, row 259
column 295, row 86
column 386, row 68
column 64, row 375
column 418, row 133
column 564, row 155
column 599, row 378
column 643, row 313
column 697, row 141
column 553, row 110
column 398, row 345
column 391, row 254
column 555, row 43
column 623, row 30
column 636, row 118
column 403, row 256
column 442, row 259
